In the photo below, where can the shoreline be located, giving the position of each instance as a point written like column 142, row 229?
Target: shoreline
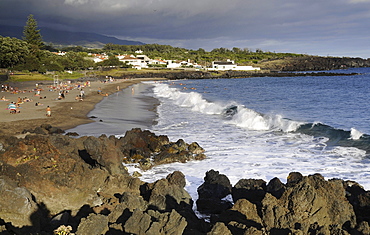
column 120, row 112
column 66, row 114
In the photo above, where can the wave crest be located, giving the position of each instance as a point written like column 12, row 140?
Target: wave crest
column 244, row 118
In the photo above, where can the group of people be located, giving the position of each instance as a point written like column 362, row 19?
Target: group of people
column 14, row 107
column 62, row 89
column 7, row 88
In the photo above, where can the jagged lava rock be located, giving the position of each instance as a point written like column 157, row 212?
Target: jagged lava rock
column 148, row 150
column 17, row 204
column 216, row 186
column 312, row 200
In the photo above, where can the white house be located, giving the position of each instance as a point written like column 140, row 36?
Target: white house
column 178, row 64
column 132, row 60
column 144, row 58
column 98, row 57
column 160, row 62
column 173, row 64
column 230, row 65
column 60, row 53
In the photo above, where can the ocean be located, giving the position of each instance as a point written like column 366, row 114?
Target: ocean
column 258, row 128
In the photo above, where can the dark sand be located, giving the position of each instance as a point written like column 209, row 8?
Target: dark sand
column 66, row 114
column 120, row 112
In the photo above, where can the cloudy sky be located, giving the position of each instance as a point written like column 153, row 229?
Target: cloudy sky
column 315, row 27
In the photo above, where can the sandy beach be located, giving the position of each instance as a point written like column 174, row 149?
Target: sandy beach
column 65, row 113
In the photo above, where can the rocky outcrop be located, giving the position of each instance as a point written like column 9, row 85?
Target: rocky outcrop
column 311, row 204
column 216, row 186
column 46, row 174
column 305, row 205
column 164, row 223
column 179, row 74
column 53, row 181
column 17, row 204
column 313, row 63
column 148, row 150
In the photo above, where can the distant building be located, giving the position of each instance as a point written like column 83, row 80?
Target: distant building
column 98, row 57
column 230, row 65
column 181, row 64
column 60, row 53
column 144, row 58
column 160, row 62
column 137, row 63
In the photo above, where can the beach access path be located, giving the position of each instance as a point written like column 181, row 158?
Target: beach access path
column 65, row 113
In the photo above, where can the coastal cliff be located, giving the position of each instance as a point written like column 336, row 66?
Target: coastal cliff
column 50, row 181
column 313, row 63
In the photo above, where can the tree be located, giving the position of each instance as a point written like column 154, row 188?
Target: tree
column 51, row 62
column 236, row 50
column 75, row 60
column 31, row 63
column 31, row 34
column 13, row 51
column 111, row 61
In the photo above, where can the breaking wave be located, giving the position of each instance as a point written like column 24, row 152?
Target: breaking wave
column 249, row 119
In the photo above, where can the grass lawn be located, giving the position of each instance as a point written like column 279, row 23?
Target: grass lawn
column 117, row 72
column 29, row 76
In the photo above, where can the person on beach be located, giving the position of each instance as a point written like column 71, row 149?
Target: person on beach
column 4, row 99
column 25, row 99
column 12, row 108
column 48, row 111
column 19, row 100
column 79, row 98
column 82, row 93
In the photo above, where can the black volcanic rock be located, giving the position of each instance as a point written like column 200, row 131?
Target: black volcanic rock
column 313, row 204
column 252, row 189
column 276, row 187
column 47, row 181
column 216, row 186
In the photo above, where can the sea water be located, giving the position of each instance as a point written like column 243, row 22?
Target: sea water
column 261, row 127
column 281, row 125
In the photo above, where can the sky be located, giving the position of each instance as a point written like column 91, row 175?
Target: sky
column 315, row 27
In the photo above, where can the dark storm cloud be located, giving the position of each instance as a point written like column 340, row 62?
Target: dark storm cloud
column 335, row 27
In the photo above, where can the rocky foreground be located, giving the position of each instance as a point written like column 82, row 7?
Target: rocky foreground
column 50, row 181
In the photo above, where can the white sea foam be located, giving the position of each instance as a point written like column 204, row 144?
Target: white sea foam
column 191, row 100
column 355, row 134
column 253, row 120
column 250, row 145
column 245, row 118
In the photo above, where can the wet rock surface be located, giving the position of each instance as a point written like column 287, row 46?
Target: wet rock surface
column 53, row 180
